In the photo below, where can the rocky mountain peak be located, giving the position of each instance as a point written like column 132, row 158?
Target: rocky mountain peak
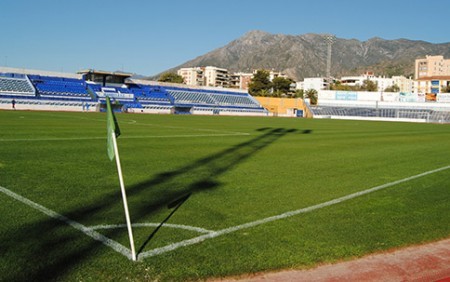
column 301, row 56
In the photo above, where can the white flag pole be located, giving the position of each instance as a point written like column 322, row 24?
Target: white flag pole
column 124, row 196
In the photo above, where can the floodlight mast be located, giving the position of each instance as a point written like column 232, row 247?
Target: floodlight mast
column 329, row 39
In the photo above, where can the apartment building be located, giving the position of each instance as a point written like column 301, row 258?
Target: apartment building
column 432, row 66
column 431, row 74
column 220, row 77
column 404, row 84
column 240, row 80
column 208, row 76
column 192, row 76
column 275, row 74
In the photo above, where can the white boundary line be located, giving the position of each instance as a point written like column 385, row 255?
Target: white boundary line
column 177, row 226
column 196, row 240
column 52, row 139
column 127, row 137
column 78, row 226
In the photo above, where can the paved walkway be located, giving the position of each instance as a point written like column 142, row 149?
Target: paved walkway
column 429, row 262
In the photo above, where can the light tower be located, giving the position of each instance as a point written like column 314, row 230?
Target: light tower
column 329, row 39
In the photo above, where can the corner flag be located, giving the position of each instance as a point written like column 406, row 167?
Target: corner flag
column 111, row 126
column 113, row 132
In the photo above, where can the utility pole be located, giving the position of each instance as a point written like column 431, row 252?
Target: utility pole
column 329, row 39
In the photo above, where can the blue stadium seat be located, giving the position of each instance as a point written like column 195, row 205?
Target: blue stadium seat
column 60, row 88
column 10, row 84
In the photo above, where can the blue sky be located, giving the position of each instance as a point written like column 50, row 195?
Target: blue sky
column 148, row 37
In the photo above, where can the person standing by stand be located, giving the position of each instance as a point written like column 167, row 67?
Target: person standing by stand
column 13, row 102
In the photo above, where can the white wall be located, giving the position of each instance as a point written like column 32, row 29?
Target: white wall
column 333, row 95
column 41, row 105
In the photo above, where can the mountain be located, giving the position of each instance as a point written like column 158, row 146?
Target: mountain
column 301, row 56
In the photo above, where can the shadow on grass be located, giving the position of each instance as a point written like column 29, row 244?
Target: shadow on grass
column 49, row 249
column 175, row 205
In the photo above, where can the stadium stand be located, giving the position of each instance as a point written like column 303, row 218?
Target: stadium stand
column 150, row 95
column 208, row 101
column 33, row 89
column 406, row 112
column 58, row 88
column 213, row 98
column 16, row 85
column 191, row 97
column 235, row 100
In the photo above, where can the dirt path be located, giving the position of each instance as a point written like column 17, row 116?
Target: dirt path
column 429, row 262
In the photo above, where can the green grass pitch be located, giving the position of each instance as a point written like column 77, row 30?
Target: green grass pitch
column 203, row 176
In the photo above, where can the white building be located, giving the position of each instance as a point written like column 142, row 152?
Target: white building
column 357, row 80
column 192, row 76
column 404, row 84
column 383, row 82
column 216, row 77
column 316, row 83
column 275, row 74
column 219, row 77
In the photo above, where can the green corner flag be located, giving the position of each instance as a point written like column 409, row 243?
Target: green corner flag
column 113, row 151
column 112, row 126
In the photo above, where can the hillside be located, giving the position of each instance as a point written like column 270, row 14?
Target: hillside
column 302, row 56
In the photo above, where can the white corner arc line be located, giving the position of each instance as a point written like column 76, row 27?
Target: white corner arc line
column 199, row 239
column 169, row 225
column 91, row 233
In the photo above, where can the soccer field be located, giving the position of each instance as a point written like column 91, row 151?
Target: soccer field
column 212, row 196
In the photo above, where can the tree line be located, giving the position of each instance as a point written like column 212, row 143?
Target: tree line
column 261, row 85
column 367, row 85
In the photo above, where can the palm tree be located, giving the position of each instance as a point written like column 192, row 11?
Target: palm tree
column 312, row 95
